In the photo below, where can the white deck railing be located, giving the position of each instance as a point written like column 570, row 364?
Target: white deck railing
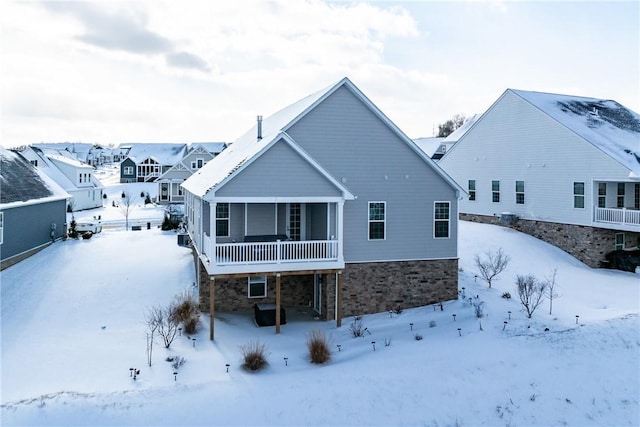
column 618, row 216
column 276, row 252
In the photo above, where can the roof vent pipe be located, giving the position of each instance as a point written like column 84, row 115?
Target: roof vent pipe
column 259, row 128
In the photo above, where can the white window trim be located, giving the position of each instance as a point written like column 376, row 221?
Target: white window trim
column 369, row 221
column 228, row 219
column 193, row 165
column 441, row 220
column 618, row 246
column 584, row 190
column 524, row 199
column 474, row 191
column 494, row 192
column 257, row 279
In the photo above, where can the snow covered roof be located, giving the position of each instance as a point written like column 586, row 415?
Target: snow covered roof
column 609, row 126
column 429, row 144
column 459, row 133
column 212, row 147
column 248, row 146
column 23, row 184
column 165, row 154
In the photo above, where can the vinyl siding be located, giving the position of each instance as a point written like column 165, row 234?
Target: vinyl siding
column 515, row 141
column 28, row 227
column 279, row 172
column 356, row 147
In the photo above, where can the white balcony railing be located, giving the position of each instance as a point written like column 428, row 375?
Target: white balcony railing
column 620, row 216
column 278, row 252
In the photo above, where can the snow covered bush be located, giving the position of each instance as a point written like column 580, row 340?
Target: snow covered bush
column 478, row 308
column 491, row 264
column 254, row 356
column 531, row 292
column 318, row 345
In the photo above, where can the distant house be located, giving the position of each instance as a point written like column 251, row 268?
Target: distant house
column 198, row 154
column 32, row 209
column 565, row 169
column 436, row 147
column 75, row 177
column 325, row 203
column 146, row 162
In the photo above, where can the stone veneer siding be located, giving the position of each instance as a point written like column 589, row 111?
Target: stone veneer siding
column 366, row 288
column 588, row 244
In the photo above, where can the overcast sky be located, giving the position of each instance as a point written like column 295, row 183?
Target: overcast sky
column 184, row 71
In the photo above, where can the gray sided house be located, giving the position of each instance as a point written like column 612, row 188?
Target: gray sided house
column 325, row 203
column 565, row 169
column 32, row 209
column 146, row 162
column 169, row 183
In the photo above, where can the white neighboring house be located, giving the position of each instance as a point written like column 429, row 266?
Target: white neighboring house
column 75, row 177
column 436, row 147
column 565, row 169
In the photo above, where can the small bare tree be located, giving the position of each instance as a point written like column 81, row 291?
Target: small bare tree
column 531, row 292
column 165, row 322
column 551, row 284
column 152, row 319
column 492, row 264
column 126, row 207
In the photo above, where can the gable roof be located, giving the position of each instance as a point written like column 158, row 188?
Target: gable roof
column 212, row 147
column 606, row 124
column 23, row 184
column 238, row 154
column 165, row 154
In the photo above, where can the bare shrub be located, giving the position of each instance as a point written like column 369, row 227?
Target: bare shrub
column 551, row 293
column 164, row 321
column 432, row 323
column 254, row 356
column 531, row 292
column 478, row 308
column 187, row 313
column 357, row 327
column 177, row 362
column 318, row 345
column 492, row 264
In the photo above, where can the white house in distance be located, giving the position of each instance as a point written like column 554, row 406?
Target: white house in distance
column 565, row 169
column 436, row 147
column 75, row 177
column 326, row 204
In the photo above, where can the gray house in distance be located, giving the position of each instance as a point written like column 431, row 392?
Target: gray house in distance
column 32, row 209
column 325, row 203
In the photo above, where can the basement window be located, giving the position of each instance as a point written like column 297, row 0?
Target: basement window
column 257, row 287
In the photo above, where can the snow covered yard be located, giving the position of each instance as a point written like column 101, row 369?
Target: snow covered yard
column 73, row 325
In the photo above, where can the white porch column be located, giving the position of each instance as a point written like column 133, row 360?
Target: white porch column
column 339, row 216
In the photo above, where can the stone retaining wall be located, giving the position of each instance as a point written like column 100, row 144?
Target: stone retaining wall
column 588, row 244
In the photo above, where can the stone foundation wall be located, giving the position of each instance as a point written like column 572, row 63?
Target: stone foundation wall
column 367, row 288
column 383, row 286
column 588, row 244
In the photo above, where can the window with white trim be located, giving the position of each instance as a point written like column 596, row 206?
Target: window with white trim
column 441, row 221
column 619, row 242
column 222, row 220
column 578, row 195
column 495, row 191
column 519, row 192
column 471, row 186
column 257, row 287
column 199, row 163
column 128, row 170
column 377, row 219
column 620, row 198
column 193, row 164
column 602, row 194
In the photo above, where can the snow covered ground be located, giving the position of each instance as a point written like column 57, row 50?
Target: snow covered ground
column 72, row 327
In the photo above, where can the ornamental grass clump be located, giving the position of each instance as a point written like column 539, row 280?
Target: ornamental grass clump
column 318, row 345
column 254, row 356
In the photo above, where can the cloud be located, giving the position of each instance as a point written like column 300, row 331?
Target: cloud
column 122, row 30
column 187, row 60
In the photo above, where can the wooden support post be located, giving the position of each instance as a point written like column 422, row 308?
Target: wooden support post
column 277, row 303
column 339, row 300
column 212, row 298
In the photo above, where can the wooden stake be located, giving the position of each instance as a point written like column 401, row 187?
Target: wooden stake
column 339, row 300
column 278, row 303
column 212, row 292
